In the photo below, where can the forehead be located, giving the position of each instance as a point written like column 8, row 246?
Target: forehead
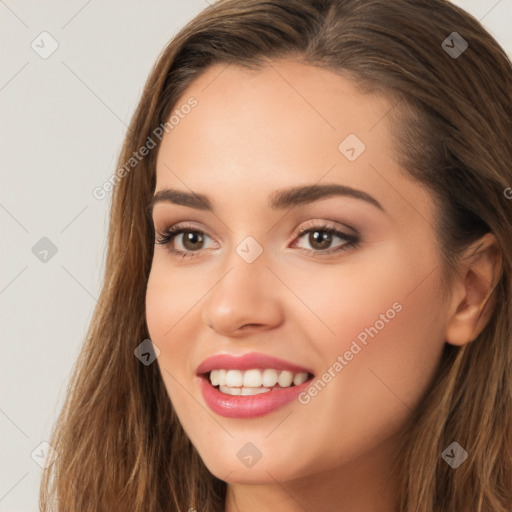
column 286, row 110
column 282, row 93
column 254, row 131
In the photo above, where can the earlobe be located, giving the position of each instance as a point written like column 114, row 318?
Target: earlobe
column 473, row 305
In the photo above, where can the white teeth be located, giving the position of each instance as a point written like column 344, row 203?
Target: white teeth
column 254, row 391
column 234, row 378
column 285, row 379
column 230, row 391
column 254, row 381
column 299, row 378
column 242, row 391
column 269, row 378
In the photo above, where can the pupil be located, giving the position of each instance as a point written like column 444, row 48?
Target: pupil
column 191, row 236
column 323, row 240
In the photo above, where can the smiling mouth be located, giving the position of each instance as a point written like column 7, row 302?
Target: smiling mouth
column 254, row 381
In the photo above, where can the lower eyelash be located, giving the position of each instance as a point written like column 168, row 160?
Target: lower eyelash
column 165, row 238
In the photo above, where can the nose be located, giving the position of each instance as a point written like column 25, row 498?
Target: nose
column 245, row 299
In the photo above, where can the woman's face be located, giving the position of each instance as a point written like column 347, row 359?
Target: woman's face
column 359, row 309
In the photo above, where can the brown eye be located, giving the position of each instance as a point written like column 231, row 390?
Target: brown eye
column 192, row 240
column 189, row 241
column 320, row 239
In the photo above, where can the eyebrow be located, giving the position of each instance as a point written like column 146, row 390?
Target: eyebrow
column 278, row 200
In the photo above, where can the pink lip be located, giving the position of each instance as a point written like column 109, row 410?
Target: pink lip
column 250, row 406
column 247, row 362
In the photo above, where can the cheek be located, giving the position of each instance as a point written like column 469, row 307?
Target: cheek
column 171, row 296
column 386, row 345
column 386, row 304
column 170, row 303
column 168, row 306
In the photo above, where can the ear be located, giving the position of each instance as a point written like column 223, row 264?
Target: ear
column 473, row 298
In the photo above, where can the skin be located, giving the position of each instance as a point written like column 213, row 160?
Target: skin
column 252, row 133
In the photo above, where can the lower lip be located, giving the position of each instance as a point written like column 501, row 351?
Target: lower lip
column 250, row 406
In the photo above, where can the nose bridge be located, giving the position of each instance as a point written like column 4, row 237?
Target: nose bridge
column 247, row 264
column 246, row 294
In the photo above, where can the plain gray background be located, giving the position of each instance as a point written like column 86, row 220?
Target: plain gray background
column 63, row 121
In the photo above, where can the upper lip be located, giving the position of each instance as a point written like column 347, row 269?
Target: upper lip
column 248, row 362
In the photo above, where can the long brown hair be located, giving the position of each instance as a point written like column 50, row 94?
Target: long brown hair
column 119, row 442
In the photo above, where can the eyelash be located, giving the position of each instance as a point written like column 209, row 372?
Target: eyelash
column 166, row 238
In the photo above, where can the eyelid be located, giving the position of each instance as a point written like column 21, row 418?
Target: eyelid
column 311, row 223
column 330, row 224
column 351, row 241
column 178, row 228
